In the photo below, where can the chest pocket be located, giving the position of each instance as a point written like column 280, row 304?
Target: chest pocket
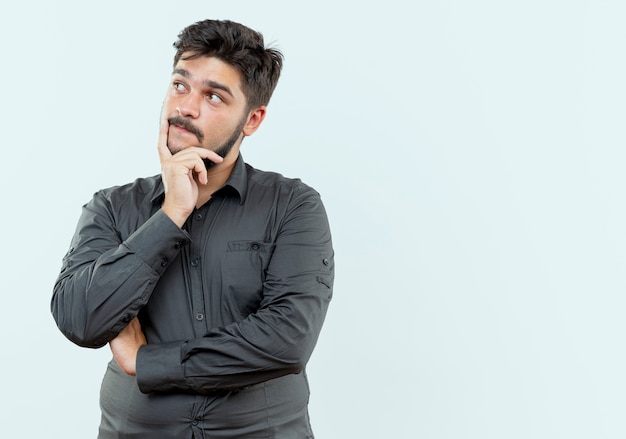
column 244, row 267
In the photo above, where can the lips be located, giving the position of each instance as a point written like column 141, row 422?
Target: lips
column 183, row 129
column 184, row 126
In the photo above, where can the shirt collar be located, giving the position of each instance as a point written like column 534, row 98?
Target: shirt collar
column 238, row 181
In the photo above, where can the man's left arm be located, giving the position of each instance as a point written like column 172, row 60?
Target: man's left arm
column 276, row 340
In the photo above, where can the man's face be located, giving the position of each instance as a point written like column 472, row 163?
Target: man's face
column 205, row 106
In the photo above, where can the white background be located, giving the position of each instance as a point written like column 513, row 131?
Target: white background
column 470, row 155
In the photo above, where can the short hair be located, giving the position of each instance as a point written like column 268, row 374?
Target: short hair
column 238, row 46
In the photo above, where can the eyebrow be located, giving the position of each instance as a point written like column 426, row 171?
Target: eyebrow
column 207, row 82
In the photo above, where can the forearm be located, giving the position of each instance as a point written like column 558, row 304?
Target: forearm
column 268, row 344
column 104, row 281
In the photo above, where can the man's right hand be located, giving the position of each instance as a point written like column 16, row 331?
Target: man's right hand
column 126, row 345
column 182, row 173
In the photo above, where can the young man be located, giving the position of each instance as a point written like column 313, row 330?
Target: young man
column 211, row 281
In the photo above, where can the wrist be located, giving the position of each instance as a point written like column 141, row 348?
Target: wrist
column 178, row 216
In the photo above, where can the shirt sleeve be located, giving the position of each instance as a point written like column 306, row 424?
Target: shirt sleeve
column 276, row 340
column 104, row 280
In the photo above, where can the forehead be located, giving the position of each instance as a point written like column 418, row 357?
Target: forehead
column 206, row 70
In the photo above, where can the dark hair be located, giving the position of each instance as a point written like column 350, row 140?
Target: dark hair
column 238, row 46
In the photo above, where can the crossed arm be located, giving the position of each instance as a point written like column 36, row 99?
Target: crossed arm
column 106, row 281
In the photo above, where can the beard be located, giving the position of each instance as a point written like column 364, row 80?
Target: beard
column 225, row 148
column 221, row 150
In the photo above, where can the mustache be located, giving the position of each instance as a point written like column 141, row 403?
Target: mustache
column 186, row 124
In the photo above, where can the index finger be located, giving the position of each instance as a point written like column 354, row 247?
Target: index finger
column 164, row 151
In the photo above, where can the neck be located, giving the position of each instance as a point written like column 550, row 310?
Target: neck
column 217, row 176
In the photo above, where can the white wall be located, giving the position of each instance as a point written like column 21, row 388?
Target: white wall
column 470, row 155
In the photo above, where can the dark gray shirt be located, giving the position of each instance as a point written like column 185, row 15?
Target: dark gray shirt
column 231, row 305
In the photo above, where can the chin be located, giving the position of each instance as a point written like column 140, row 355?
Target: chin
column 208, row 164
column 174, row 148
column 176, row 144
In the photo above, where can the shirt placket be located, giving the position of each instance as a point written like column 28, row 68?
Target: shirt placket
column 197, row 227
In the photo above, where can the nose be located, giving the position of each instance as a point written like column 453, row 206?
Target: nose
column 189, row 106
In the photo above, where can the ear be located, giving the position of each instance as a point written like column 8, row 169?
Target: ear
column 255, row 118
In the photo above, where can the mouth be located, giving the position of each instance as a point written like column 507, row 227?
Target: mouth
column 182, row 129
column 183, row 126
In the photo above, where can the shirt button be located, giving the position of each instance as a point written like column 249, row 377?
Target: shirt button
column 195, row 262
column 325, row 261
column 164, row 262
column 194, row 422
column 255, row 246
column 198, row 216
column 199, row 316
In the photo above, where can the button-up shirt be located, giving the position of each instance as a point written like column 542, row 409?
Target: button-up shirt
column 231, row 305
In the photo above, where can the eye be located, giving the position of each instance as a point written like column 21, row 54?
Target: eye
column 214, row 98
column 179, row 86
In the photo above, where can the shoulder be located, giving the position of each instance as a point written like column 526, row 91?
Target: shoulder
column 274, row 181
column 284, row 198
column 140, row 188
column 128, row 199
column 125, row 207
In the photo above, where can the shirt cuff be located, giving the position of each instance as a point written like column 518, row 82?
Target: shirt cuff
column 158, row 253
column 159, row 367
